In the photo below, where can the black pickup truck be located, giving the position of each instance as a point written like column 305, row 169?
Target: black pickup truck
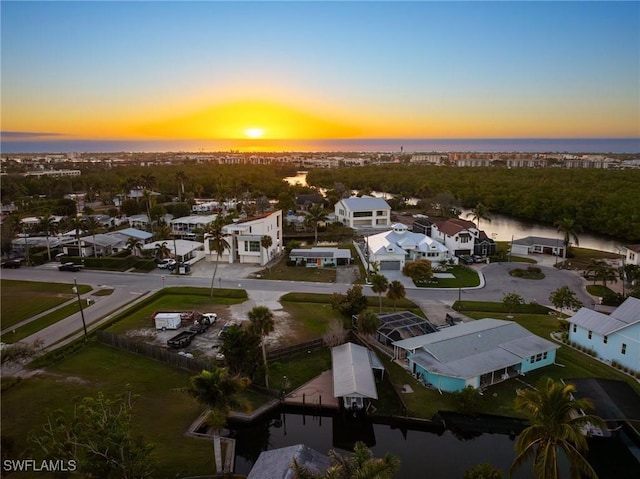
column 181, row 340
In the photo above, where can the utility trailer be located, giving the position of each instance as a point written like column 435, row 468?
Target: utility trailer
column 181, row 340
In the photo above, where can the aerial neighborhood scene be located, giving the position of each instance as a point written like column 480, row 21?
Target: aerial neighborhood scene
column 344, row 240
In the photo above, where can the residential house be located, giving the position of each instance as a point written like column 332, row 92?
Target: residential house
column 181, row 250
column 613, row 337
column 101, row 244
column 632, row 254
column 306, row 201
column 393, row 248
column 245, row 237
column 537, row 244
column 456, row 234
column 142, row 236
column 278, row 463
column 353, row 380
column 477, row 354
column 190, row 226
column 363, row 212
column 320, row 257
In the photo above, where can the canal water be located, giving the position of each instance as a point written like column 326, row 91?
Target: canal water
column 425, row 452
column 505, row 228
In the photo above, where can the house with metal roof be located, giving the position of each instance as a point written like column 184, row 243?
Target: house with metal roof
column 353, row 380
column 393, row 248
column 320, row 257
column 477, row 354
column 278, row 463
column 140, row 235
column 363, row 212
column 613, row 337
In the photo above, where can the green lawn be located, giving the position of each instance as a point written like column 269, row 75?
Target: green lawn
column 20, row 300
column 163, row 413
column 281, row 271
column 465, row 277
column 42, row 322
column 298, row 369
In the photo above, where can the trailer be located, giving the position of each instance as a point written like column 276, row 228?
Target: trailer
column 167, row 320
column 181, row 340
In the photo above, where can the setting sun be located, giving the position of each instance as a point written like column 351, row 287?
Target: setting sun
column 254, row 133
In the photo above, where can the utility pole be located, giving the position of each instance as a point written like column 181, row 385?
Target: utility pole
column 84, row 324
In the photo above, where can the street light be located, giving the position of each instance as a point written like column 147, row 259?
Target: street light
column 77, row 291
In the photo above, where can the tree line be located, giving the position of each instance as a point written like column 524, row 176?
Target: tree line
column 604, row 202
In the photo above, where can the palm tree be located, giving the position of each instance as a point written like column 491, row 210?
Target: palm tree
column 217, row 243
column 379, row 284
column 480, row 212
column 162, row 250
column 602, row 271
column 569, row 229
column 148, row 198
column 92, row 225
column 395, row 292
column 360, row 465
column 181, row 176
column 134, row 245
column 219, row 391
column 315, row 215
column 262, row 323
column 48, row 226
column 557, row 424
column 77, row 223
column 266, row 241
column 148, row 181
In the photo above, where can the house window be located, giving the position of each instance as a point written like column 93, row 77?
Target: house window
column 575, row 328
column 538, row 357
column 624, row 349
column 253, row 246
column 604, row 339
column 381, row 213
column 590, row 334
column 362, row 214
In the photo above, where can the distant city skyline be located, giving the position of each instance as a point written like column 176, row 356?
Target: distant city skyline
column 248, row 75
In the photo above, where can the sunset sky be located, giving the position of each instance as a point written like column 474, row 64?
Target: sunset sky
column 318, row 70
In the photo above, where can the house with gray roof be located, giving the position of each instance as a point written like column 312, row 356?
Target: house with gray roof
column 278, row 463
column 320, row 257
column 363, row 212
column 536, row 244
column 353, row 379
column 477, row 354
column 613, row 337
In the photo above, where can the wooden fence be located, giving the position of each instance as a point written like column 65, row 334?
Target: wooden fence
column 285, row 351
column 158, row 353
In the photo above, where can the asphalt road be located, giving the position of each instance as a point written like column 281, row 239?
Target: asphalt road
column 130, row 287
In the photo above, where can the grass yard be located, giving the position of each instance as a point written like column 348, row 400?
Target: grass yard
column 311, row 320
column 175, row 299
column 20, row 300
column 581, row 257
column 281, row 271
column 298, row 369
column 43, row 322
column 465, row 277
column 162, row 415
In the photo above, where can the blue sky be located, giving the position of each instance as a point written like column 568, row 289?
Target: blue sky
column 354, row 69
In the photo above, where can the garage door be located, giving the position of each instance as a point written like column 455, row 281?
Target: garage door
column 389, row 265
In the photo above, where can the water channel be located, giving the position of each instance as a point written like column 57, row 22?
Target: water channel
column 505, row 228
column 424, row 452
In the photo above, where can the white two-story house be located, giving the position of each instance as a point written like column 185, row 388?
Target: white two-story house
column 615, row 337
column 363, row 212
column 245, row 239
column 456, row 234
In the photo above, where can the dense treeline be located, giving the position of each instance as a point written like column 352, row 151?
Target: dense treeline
column 605, row 202
column 197, row 181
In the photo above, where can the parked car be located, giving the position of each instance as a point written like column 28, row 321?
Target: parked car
column 465, row 259
column 169, row 264
column 12, row 263
column 69, row 267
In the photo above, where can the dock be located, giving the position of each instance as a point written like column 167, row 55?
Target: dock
column 317, row 393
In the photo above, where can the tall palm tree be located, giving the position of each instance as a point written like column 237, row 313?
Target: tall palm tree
column 266, row 241
column 367, row 322
column 148, row 181
column 181, row 177
column 217, row 243
column 219, row 391
column 148, row 198
column 77, row 223
column 480, row 212
column 92, row 226
column 379, row 284
column 557, row 424
column 262, row 323
column 315, row 215
column 602, row 271
column 162, row 251
column 48, row 226
column 569, row 229
column 395, row 292
column 11, row 226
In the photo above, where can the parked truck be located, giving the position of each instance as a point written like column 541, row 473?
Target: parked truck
column 167, row 320
column 181, row 340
